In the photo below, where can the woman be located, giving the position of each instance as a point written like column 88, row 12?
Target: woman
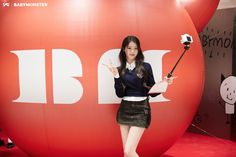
column 133, row 80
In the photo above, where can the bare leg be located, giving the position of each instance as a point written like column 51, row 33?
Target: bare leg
column 124, row 129
column 134, row 135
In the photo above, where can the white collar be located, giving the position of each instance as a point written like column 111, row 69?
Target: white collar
column 130, row 66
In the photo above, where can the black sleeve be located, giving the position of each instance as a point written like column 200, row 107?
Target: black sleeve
column 119, row 87
column 150, row 77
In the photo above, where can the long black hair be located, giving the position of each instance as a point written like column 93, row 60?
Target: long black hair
column 139, row 68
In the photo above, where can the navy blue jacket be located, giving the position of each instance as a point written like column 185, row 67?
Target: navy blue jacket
column 130, row 84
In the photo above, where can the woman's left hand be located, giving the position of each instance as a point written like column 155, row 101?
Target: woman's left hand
column 169, row 80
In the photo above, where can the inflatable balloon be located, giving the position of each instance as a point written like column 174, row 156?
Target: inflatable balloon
column 200, row 11
column 56, row 98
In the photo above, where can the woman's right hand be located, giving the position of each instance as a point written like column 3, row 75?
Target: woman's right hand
column 112, row 68
column 169, row 80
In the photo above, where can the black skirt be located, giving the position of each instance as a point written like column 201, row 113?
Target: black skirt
column 134, row 113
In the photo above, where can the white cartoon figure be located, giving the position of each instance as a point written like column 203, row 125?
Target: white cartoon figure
column 228, row 93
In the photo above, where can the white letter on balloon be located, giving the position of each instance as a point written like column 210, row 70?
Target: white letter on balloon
column 31, row 76
column 66, row 67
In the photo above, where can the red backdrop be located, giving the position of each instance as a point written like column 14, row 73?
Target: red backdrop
column 89, row 28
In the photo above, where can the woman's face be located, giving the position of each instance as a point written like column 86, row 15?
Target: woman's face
column 131, row 52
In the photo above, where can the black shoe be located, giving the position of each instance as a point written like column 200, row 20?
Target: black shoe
column 1, row 142
column 10, row 145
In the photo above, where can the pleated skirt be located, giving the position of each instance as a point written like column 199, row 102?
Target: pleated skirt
column 134, row 113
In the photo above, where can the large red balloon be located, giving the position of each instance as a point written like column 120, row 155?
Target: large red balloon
column 200, row 11
column 43, row 127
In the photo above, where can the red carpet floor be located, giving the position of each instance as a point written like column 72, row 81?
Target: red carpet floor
column 194, row 145
column 190, row 145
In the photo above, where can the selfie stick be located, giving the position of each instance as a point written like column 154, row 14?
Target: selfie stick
column 186, row 40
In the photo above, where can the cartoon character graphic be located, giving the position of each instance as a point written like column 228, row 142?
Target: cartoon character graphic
column 228, row 93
